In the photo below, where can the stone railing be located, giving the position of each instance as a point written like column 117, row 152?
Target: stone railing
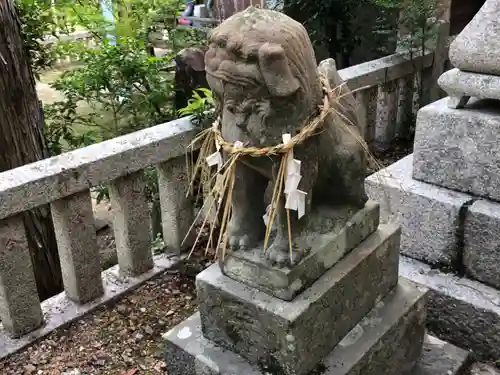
column 84, row 37
column 65, row 181
column 394, row 88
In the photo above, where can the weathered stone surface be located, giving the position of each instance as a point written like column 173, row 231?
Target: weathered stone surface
column 258, row 61
column 387, row 341
column 131, row 224
column 458, row 84
column 177, row 211
column 406, row 89
column 387, row 112
column 483, row 369
column 294, row 336
column 429, row 215
column 367, row 112
column 459, row 148
column 482, row 242
column 77, row 244
column 477, row 47
column 331, row 234
column 385, row 69
column 365, row 351
column 463, row 312
column 441, row 358
column 20, row 311
column 57, row 177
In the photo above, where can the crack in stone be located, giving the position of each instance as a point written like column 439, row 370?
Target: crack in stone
column 458, row 255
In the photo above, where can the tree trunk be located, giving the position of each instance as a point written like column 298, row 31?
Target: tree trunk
column 22, row 142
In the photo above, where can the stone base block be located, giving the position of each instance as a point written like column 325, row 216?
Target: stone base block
column 294, row 336
column 429, row 216
column 482, row 242
column 461, row 311
column 333, row 233
column 459, row 149
column 483, row 369
column 441, row 358
column 387, row 341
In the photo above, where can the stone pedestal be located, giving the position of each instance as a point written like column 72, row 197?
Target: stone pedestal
column 355, row 317
column 451, row 223
column 331, row 233
column 459, row 149
column 445, row 196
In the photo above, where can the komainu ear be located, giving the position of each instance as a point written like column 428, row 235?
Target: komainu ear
column 275, row 70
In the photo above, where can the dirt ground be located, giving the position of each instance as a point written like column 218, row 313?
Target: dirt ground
column 123, row 339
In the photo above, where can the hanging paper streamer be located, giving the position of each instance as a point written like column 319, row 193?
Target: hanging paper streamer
column 266, row 216
column 215, row 159
column 295, row 198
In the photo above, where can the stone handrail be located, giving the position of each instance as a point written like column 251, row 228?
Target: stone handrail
column 389, row 98
column 71, row 37
column 60, row 176
column 394, row 88
column 65, row 181
column 386, row 69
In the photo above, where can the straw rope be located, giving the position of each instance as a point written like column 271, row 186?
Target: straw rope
column 309, row 130
column 212, row 136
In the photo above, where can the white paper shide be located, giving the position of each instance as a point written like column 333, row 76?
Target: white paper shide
column 295, row 198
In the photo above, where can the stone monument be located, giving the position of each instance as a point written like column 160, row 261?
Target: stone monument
column 337, row 306
column 446, row 194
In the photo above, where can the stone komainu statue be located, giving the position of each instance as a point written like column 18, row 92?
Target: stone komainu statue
column 189, row 74
column 262, row 69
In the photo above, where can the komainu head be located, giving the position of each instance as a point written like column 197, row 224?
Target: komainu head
column 262, row 69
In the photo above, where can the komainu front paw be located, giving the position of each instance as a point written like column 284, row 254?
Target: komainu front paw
column 238, row 241
column 243, row 236
column 278, row 254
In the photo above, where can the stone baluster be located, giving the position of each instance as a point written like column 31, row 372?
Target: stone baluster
column 76, row 238
column 20, row 310
column 440, row 53
column 131, row 224
column 387, row 106
column 417, row 88
column 177, row 211
column 405, row 104
column 367, row 104
column 427, row 85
